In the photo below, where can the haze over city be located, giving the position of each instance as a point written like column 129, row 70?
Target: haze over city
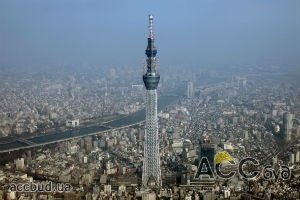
column 110, row 33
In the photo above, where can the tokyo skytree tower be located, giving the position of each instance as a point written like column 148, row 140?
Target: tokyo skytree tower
column 151, row 165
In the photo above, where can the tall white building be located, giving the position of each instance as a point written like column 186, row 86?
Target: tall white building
column 288, row 125
column 292, row 158
column 190, row 90
column 297, row 157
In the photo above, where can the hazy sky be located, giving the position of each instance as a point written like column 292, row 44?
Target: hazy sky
column 113, row 33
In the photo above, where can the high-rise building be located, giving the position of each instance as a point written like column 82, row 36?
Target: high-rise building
column 246, row 134
column 190, row 90
column 297, row 159
column 288, row 125
column 292, row 159
column 151, row 166
column 206, row 153
column 207, row 149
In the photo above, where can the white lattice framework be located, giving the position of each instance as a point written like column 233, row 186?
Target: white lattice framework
column 151, row 165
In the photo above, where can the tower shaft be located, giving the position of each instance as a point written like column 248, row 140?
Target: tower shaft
column 151, row 165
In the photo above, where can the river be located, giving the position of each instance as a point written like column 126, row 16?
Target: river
column 133, row 118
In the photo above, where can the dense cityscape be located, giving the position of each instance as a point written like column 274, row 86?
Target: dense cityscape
column 241, row 115
column 150, row 132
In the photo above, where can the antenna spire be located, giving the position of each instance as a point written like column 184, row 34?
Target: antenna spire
column 151, row 27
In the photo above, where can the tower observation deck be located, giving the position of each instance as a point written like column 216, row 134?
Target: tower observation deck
column 151, row 165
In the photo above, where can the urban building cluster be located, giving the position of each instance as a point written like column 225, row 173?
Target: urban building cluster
column 184, row 150
column 34, row 105
column 233, row 116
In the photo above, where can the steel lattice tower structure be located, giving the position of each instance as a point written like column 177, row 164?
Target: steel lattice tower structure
column 151, row 165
